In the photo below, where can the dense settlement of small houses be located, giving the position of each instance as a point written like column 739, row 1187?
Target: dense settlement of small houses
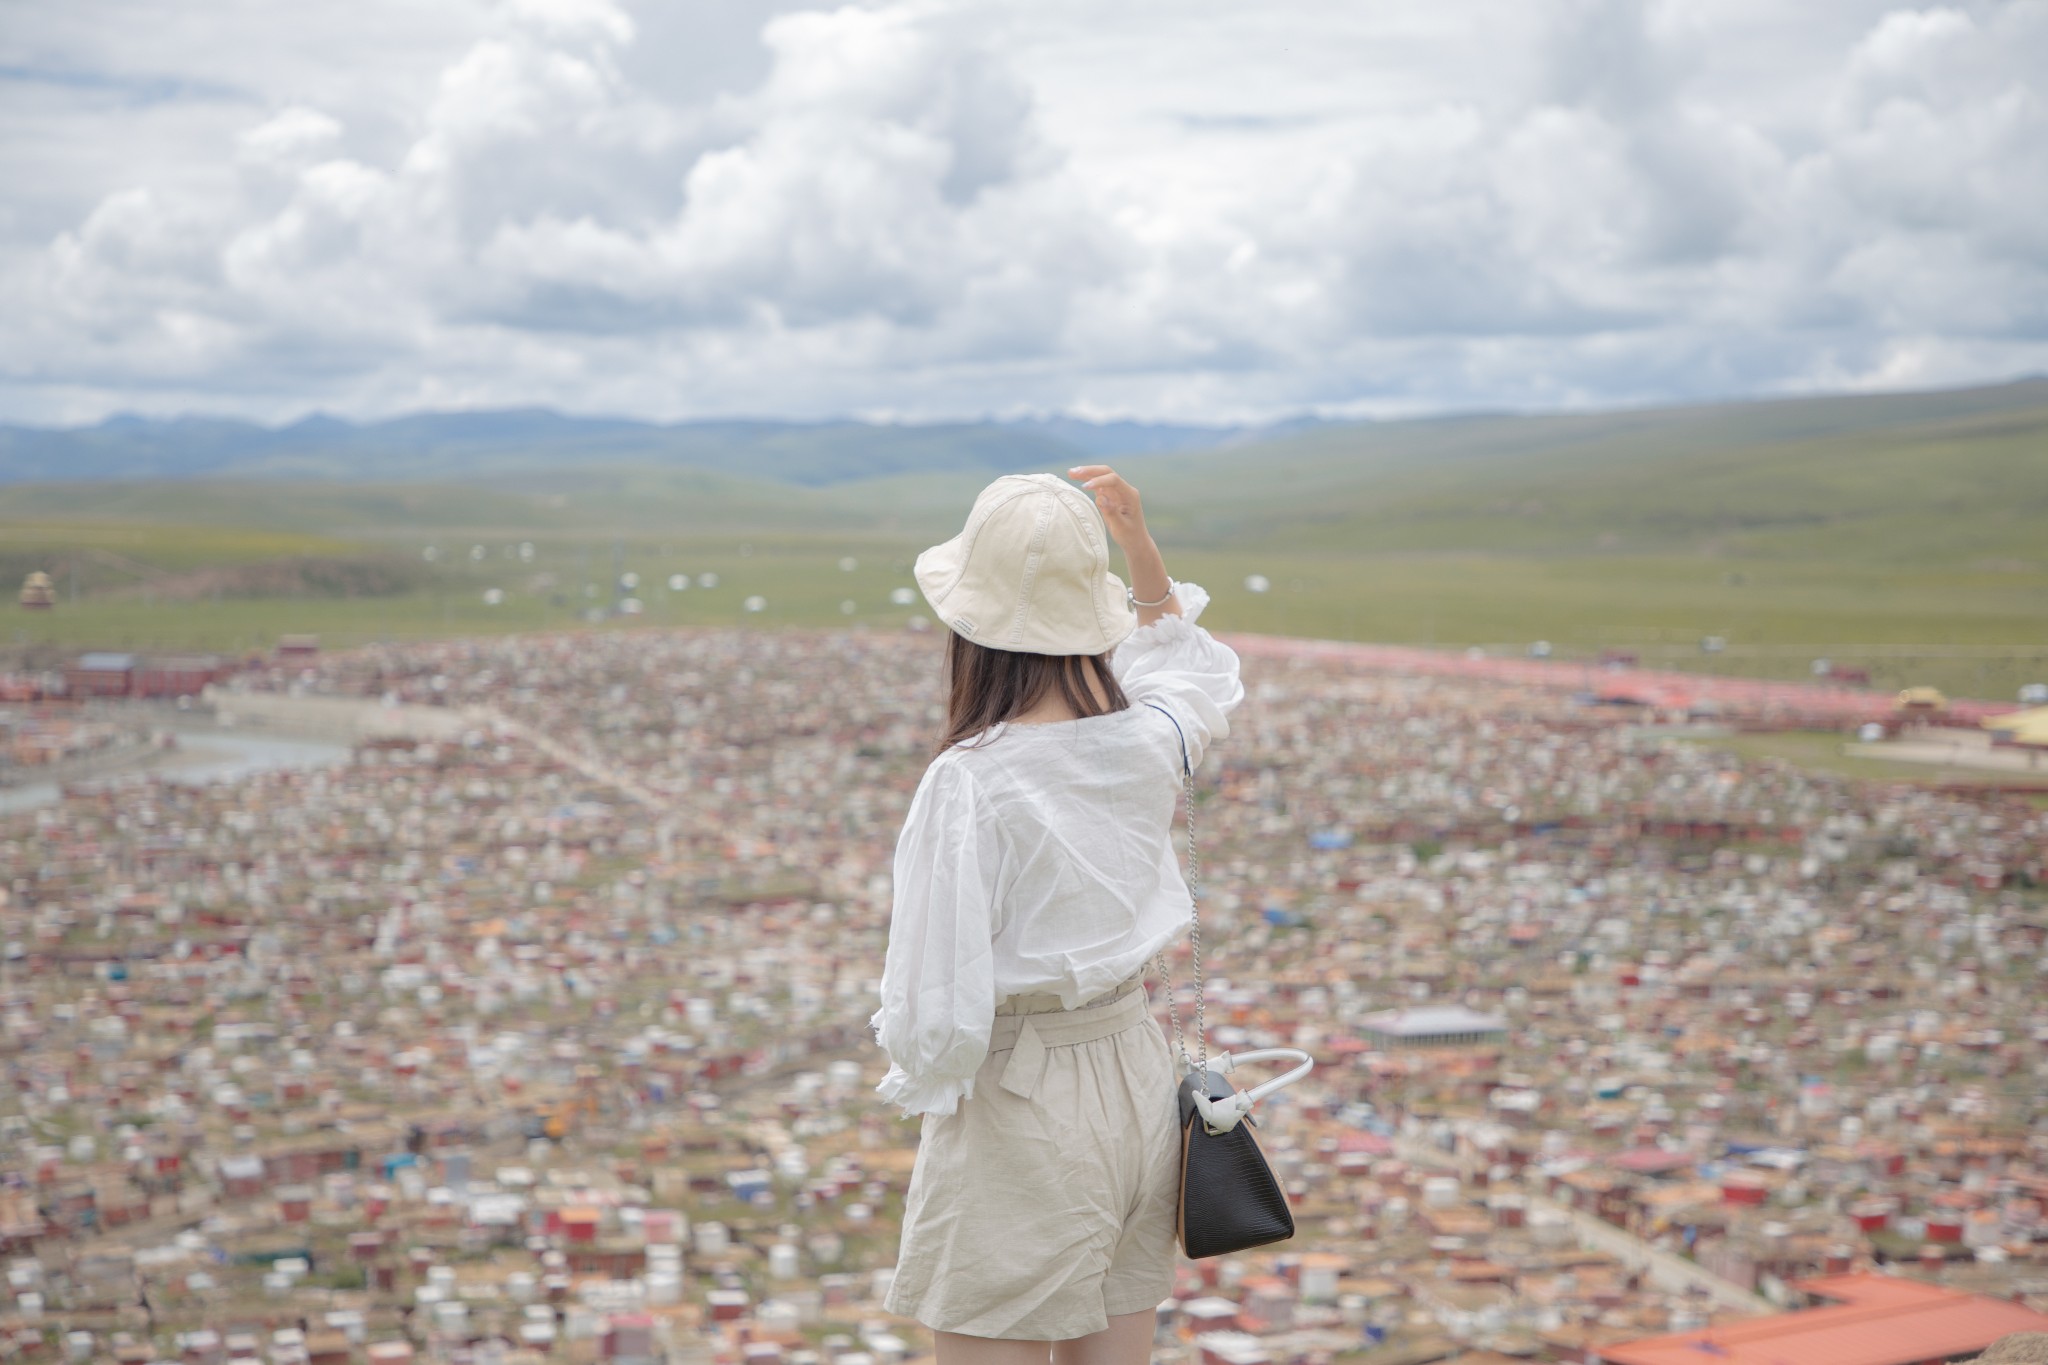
column 547, row 1041
column 48, row 744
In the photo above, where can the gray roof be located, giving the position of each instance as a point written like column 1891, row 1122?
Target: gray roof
column 104, row 662
column 1429, row 1020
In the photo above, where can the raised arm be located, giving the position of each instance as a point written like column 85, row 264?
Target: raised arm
column 1124, row 518
column 1168, row 660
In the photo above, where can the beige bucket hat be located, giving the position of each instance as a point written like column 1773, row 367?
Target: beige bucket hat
column 1030, row 572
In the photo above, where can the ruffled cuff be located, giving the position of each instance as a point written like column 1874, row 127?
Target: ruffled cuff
column 1194, row 598
column 938, row 1096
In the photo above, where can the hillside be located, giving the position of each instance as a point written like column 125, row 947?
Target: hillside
column 1907, row 533
column 1949, row 477
column 1940, row 477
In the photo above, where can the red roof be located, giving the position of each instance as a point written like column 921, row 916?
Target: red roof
column 1880, row 1320
column 1748, row 695
column 1651, row 1160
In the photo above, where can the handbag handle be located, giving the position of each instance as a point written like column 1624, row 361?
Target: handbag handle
column 1220, row 1116
column 1187, row 776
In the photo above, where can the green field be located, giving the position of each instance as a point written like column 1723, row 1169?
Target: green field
column 1907, row 535
column 1976, row 634
column 1821, row 751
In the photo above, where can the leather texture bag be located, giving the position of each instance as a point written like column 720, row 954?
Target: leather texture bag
column 1229, row 1197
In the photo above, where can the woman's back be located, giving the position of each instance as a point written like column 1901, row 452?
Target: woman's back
column 1038, row 859
column 1083, row 813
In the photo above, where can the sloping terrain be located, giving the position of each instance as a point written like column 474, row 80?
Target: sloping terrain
column 1905, row 533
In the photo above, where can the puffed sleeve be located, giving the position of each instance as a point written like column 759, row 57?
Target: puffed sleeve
column 1176, row 664
column 938, row 977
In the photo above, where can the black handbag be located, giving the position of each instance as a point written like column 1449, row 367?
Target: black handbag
column 1229, row 1197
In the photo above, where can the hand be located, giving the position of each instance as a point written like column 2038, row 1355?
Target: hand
column 1122, row 515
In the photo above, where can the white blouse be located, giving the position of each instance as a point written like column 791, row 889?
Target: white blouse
column 1043, row 862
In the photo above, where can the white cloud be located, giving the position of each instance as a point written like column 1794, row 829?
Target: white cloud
column 290, row 135
column 598, row 20
column 927, row 207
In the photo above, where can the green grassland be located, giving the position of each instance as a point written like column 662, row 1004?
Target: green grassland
column 1820, row 751
column 1777, row 616
column 1818, row 480
column 159, row 547
column 1905, row 534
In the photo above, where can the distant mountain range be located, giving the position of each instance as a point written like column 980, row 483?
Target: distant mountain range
column 1791, row 527
column 460, row 446
column 1956, row 476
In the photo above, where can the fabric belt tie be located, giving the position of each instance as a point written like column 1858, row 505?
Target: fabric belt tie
column 1027, row 1036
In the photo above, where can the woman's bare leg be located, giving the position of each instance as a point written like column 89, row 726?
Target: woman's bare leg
column 1126, row 1341
column 954, row 1348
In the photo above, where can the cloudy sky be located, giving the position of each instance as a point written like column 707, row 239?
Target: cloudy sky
column 1170, row 209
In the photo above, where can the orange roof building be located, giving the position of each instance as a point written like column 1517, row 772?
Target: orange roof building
column 1875, row 1320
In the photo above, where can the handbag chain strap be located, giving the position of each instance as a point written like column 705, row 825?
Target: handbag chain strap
column 1187, row 773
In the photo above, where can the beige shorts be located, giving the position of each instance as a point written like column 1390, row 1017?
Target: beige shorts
column 1044, row 1205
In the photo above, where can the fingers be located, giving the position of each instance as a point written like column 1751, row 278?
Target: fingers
column 1096, row 476
column 1108, row 478
column 1117, row 499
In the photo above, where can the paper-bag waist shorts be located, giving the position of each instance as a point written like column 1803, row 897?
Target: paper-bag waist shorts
column 1044, row 1205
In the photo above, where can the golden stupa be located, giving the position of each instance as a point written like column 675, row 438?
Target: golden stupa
column 1921, row 699
column 37, row 592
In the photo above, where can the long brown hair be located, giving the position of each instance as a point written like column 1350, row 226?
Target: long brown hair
column 987, row 686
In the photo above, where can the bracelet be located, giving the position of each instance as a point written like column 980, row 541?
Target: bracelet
column 1132, row 594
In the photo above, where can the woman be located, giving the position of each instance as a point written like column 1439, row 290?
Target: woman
column 1035, row 877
